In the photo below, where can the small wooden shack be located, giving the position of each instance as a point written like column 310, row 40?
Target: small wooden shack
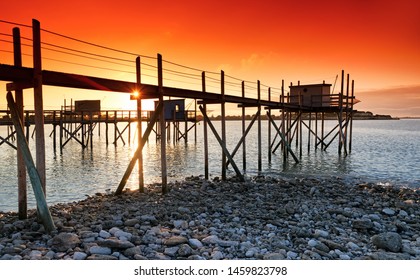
column 87, row 106
column 174, row 109
column 315, row 95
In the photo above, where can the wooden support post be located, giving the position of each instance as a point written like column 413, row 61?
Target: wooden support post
column 106, row 127
column 351, row 116
column 91, row 130
column 322, row 129
column 34, row 176
column 223, row 111
column 316, row 130
column 269, row 128
column 135, row 157
column 54, row 132
column 139, row 125
column 22, row 193
column 283, row 138
column 300, row 133
column 283, row 121
column 162, row 127
column 309, row 131
column 347, row 113
column 223, row 145
column 38, row 104
column 129, row 128
column 340, row 114
column 243, row 129
column 244, row 134
column 195, row 120
column 186, row 129
column 115, row 128
column 259, row 128
column 61, row 131
column 83, row 129
column 27, row 123
column 206, row 142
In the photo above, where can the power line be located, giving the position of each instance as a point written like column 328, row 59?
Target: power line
column 93, row 44
column 15, row 23
column 88, row 57
column 88, row 53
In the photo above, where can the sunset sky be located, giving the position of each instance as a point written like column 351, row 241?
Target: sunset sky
column 376, row 41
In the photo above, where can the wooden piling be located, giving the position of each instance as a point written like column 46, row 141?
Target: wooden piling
column 34, row 176
column 139, row 125
column 223, row 111
column 22, row 193
column 259, row 128
column 135, row 157
column 243, row 129
column 162, row 127
column 206, row 143
column 38, row 104
column 269, row 128
column 351, row 116
column 223, row 146
column 283, row 123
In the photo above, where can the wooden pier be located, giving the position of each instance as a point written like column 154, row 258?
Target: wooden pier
column 296, row 105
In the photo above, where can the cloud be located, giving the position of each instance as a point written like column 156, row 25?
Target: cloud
column 253, row 61
column 397, row 101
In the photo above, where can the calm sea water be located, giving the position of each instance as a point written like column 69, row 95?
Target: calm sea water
column 386, row 152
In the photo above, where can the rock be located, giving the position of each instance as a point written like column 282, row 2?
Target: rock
column 98, row 250
column 388, row 211
column 35, row 255
column 389, row 241
column 79, row 256
column 212, row 239
column 64, row 241
column 122, row 235
column 217, row 255
column 389, row 256
column 250, row 253
column 292, row 255
column 185, row 250
column 353, row 246
column 333, row 245
column 321, row 233
column 175, row 240
column 312, row 243
column 131, row 222
column 115, row 243
column 171, row 251
column 362, row 224
column 130, row 252
column 344, row 257
column 224, row 243
column 104, row 234
column 180, row 224
column 102, row 257
column 195, row 243
column 274, row 256
column 149, row 218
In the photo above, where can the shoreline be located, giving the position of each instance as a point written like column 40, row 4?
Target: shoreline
column 263, row 218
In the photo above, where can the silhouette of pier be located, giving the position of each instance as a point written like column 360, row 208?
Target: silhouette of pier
column 301, row 107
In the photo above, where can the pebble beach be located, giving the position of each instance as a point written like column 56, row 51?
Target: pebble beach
column 264, row 218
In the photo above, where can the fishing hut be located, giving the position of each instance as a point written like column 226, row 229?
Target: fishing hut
column 175, row 113
column 303, row 107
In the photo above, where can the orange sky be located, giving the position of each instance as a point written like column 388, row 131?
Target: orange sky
column 376, row 41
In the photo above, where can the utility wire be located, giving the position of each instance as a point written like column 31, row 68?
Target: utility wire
column 95, row 45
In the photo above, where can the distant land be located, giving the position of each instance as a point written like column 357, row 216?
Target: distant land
column 358, row 115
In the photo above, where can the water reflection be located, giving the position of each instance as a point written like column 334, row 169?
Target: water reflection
column 385, row 151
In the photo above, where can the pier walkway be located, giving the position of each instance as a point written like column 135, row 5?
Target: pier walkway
column 213, row 89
